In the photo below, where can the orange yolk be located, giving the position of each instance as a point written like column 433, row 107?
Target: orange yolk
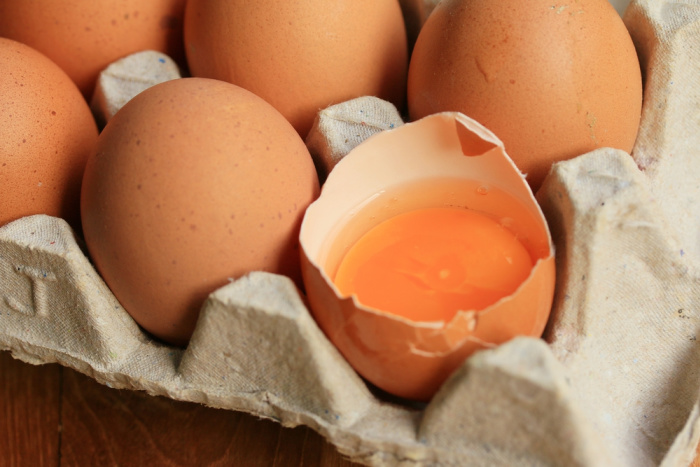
column 426, row 265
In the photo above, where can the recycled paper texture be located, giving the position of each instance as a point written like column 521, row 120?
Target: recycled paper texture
column 124, row 79
column 339, row 128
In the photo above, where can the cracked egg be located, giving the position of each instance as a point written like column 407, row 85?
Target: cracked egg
column 425, row 246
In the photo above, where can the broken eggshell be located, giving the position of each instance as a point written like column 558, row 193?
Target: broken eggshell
column 435, row 154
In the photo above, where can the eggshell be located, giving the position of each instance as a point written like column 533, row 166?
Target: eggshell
column 301, row 56
column 83, row 37
column 46, row 135
column 405, row 358
column 194, row 181
column 415, row 12
column 553, row 81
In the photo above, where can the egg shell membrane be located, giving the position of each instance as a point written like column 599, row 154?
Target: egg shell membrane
column 382, row 346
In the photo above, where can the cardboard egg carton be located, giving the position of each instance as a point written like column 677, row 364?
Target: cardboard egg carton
column 615, row 381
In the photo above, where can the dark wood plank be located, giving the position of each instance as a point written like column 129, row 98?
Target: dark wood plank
column 29, row 413
column 103, row 426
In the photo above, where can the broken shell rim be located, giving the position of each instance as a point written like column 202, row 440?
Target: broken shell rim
column 485, row 135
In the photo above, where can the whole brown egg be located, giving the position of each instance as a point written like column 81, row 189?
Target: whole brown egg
column 83, row 37
column 301, row 56
column 47, row 133
column 194, row 181
column 552, row 80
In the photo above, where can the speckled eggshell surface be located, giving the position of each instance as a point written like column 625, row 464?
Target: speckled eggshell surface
column 47, row 134
column 195, row 181
column 551, row 80
column 301, row 56
column 83, row 37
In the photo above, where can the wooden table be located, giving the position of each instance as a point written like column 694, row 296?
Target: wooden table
column 50, row 415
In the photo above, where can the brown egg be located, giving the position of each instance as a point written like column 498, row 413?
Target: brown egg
column 46, row 135
column 552, row 80
column 300, row 56
column 444, row 161
column 194, row 181
column 84, row 37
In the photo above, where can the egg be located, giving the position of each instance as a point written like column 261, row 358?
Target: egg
column 46, row 136
column 553, row 80
column 443, row 164
column 84, row 37
column 194, row 181
column 301, row 57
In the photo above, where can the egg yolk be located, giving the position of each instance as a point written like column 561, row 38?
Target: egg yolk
column 427, row 264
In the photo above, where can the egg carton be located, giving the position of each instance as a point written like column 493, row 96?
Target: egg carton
column 614, row 381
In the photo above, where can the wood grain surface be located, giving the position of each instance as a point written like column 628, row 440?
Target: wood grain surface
column 54, row 416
